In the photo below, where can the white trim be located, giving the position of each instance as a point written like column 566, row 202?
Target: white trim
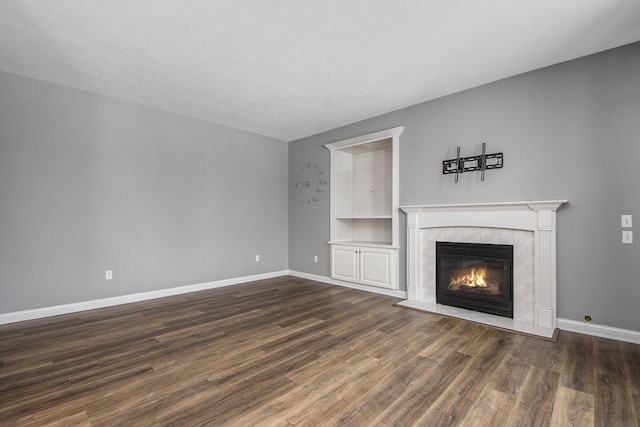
column 328, row 280
column 534, row 205
column 602, row 331
column 19, row 316
column 356, row 140
column 626, row 335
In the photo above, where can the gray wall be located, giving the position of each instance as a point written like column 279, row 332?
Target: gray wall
column 89, row 183
column 570, row 131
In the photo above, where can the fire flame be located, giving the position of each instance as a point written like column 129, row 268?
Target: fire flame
column 475, row 279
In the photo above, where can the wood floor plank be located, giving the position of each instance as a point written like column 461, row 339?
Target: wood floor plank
column 608, row 358
column 631, row 359
column 535, row 401
column 421, row 394
column 544, row 354
column 323, row 381
column 333, row 401
column 510, row 376
column 291, row 351
column 392, row 382
column 54, row 419
column 454, row 403
column 572, row 408
column 613, row 402
column 577, row 365
column 491, row 408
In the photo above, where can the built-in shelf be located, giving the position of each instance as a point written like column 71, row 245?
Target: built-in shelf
column 364, row 209
column 365, row 217
column 367, row 243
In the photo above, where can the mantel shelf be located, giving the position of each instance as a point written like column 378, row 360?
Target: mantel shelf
column 532, row 205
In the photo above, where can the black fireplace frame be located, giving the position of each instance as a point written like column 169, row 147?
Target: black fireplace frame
column 500, row 306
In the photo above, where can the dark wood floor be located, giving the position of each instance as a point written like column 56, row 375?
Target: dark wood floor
column 289, row 351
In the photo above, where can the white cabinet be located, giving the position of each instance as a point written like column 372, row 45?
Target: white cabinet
column 364, row 209
column 366, row 265
column 345, row 263
column 377, row 267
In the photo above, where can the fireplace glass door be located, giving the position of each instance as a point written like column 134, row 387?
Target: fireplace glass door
column 475, row 276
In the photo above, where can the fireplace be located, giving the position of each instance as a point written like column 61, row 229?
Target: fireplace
column 530, row 227
column 475, row 276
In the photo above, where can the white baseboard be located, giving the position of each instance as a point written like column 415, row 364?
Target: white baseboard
column 324, row 279
column 601, row 331
column 57, row 310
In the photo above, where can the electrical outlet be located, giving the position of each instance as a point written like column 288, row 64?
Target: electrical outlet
column 315, row 258
column 108, row 275
column 627, row 221
column 257, row 258
column 627, row 237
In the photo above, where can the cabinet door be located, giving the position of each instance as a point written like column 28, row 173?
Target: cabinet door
column 376, row 266
column 344, row 263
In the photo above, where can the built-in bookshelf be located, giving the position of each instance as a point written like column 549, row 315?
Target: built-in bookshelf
column 364, row 208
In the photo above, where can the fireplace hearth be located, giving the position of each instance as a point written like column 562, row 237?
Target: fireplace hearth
column 475, row 276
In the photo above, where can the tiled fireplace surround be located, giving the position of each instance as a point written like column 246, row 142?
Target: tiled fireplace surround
column 529, row 226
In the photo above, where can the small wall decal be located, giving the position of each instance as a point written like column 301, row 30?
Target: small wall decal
column 308, row 184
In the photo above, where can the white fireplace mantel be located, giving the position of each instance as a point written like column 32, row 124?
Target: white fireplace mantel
column 536, row 217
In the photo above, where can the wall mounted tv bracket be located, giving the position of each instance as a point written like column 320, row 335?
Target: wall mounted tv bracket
column 474, row 163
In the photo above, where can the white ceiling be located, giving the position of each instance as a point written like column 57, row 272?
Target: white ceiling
column 293, row 68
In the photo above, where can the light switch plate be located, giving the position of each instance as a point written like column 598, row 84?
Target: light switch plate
column 627, row 237
column 627, row 221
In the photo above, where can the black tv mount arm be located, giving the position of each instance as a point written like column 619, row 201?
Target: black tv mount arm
column 473, row 163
